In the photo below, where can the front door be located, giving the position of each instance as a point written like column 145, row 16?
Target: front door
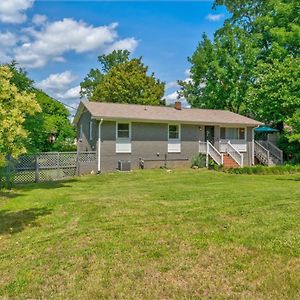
column 209, row 134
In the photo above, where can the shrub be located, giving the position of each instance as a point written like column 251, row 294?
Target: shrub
column 199, row 161
column 263, row 170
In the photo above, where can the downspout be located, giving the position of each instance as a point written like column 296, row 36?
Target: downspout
column 253, row 155
column 99, row 146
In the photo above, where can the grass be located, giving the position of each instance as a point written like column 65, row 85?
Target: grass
column 152, row 235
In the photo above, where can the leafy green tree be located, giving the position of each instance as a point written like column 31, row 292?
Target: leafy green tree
column 14, row 107
column 20, row 78
column 129, row 83
column 122, row 80
column 51, row 121
column 274, row 96
column 95, row 76
column 252, row 64
column 221, row 71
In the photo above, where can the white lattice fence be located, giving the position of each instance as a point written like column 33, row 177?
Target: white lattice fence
column 48, row 166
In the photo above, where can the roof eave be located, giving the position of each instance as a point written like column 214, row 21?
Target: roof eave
column 113, row 118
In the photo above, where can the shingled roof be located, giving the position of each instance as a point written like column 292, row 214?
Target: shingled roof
column 134, row 112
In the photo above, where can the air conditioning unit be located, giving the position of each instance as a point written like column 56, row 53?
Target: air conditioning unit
column 124, row 165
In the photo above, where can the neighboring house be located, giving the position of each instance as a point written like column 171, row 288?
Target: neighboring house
column 153, row 134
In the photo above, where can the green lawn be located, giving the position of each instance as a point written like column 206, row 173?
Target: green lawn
column 152, row 235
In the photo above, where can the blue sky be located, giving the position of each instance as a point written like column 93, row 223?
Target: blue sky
column 58, row 42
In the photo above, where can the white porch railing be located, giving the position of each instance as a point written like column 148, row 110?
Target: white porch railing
column 275, row 151
column 261, row 153
column 235, row 154
column 214, row 154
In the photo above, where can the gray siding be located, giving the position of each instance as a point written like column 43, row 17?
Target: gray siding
column 149, row 141
column 87, row 144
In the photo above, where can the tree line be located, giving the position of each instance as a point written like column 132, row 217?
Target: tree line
column 251, row 66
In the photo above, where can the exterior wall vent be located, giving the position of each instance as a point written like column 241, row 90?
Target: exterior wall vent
column 124, row 165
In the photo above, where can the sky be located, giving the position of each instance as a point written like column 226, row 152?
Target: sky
column 58, row 42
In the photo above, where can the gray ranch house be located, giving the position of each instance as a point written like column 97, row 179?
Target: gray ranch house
column 149, row 136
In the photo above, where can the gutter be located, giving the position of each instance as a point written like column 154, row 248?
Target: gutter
column 99, row 145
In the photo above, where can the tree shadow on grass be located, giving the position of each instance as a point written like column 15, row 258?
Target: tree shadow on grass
column 27, row 187
column 290, row 179
column 16, row 221
column 8, row 194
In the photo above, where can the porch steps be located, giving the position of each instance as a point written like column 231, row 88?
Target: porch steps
column 229, row 162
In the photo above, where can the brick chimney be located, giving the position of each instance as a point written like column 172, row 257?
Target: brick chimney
column 178, row 105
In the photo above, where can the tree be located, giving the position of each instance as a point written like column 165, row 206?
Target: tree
column 221, row 71
column 274, row 96
column 95, row 76
column 52, row 120
column 122, row 80
column 252, row 64
column 20, row 78
column 129, row 83
column 14, row 107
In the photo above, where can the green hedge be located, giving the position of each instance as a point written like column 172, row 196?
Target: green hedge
column 285, row 169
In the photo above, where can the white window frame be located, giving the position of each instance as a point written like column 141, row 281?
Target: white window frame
column 174, row 144
column 238, row 128
column 239, row 144
column 123, row 145
column 91, row 130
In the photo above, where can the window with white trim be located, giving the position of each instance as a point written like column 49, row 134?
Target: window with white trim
column 173, row 132
column 232, row 133
column 123, row 131
column 174, row 143
column 123, row 138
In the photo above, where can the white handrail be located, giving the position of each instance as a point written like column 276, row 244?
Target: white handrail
column 262, row 153
column 275, row 151
column 214, row 153
column 235, row 154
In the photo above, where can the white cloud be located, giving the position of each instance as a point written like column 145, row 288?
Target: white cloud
column 214, row 17
column 4, row 57
column 13, row 11
column 187, row 72
column 59, row 59
column 171, row 98
column 8, row 39
column 70, row 94
column 129, row 44
column 56, row 82
column 60, row 37
column 171, row 84
column 39, row 19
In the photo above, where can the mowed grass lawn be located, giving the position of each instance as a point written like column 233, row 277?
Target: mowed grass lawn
column 152, row 234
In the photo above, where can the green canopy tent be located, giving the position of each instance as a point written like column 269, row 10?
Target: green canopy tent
column 265, row 129
column 263, row 132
